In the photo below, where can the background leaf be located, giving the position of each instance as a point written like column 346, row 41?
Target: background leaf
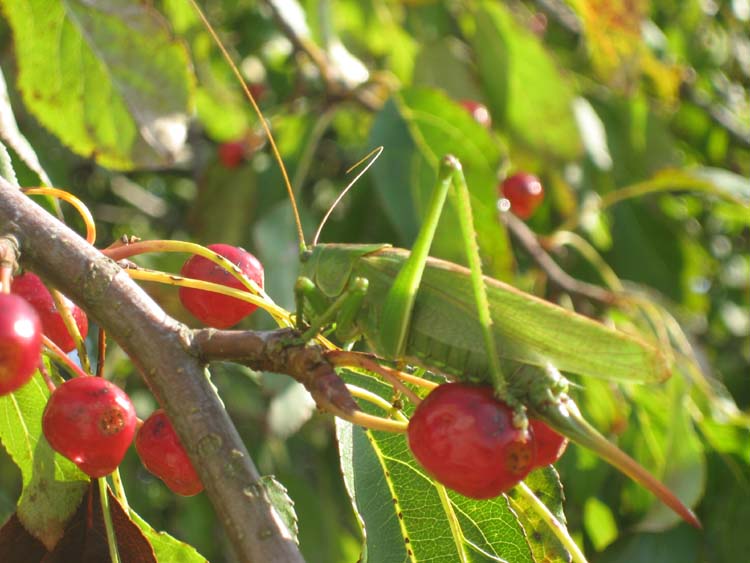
column 525, row 91
column 52, row 485
column 418, row 128
column 107, row 77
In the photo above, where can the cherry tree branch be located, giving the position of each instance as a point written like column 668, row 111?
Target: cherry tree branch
column 162, row 350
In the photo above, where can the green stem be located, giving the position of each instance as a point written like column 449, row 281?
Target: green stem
column 120, row 489
column 456, row 532
column 70, row 325
column 114, row 555
column 560, row 531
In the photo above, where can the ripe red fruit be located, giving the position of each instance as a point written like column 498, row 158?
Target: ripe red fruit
column 91, row 422
column 464, row 437
column 214, row 309
column 232, row 153
column 162, row 453
column 31, row 288
column 524, row 192
column 20, row 342
column 550, row 445
column 479, row 112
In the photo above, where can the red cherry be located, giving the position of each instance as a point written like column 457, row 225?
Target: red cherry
column 162, row 453
column 464, row 437
column 31, row 288
column 232, row 153
column 550, row 445
column 214, row 309
column 91, row 422
column 20, row 342
column 479, row 112
column 524, row 192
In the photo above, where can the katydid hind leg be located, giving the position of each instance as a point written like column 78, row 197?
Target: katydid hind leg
column 462, row 201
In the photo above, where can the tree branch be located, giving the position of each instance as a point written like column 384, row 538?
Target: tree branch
column 279, row 352
column 160, row 348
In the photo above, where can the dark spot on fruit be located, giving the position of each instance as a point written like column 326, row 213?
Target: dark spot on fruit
column 112, row 421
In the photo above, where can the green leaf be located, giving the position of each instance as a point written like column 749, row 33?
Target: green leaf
column 107, row 77
column 166, row 548
column 15, row 139
column 52, row 485
column 406, row 516
column 284, row 505
column 600, row 523
column 525, row 91
column 670, row 442
column 418, row 129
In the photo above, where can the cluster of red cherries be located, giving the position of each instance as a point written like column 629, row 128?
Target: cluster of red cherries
column 90, row 420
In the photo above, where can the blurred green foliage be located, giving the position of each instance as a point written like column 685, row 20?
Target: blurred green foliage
column 591, row 96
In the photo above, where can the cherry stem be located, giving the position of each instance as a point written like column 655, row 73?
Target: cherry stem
column 343, row 358
column 8, row 261
column 102, row 352
column 557, row 528
column 114, row 554
column 376, row 400
column 55, row 350
column 47, row 378
column 6, row 274
column 119, row 488
column 70, row 325
column 254, row 293
column 79, row 206
column 365, row 420
column 121, row 250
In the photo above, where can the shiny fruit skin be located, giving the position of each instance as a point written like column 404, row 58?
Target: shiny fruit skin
column 464, row 437
column 550, row 445
column 162, row 453
column 20, row 342
column 91, row 422
column 31, row 288
column 214, row 309
column 232, row 153
column 479, row 112
column 524, row 192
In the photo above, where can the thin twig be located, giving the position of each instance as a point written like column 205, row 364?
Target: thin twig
column 528, row 240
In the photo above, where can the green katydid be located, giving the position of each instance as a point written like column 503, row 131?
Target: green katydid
column 454, row 321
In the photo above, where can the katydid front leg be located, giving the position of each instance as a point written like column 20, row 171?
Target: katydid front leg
column 344, row 310
column 399, row 303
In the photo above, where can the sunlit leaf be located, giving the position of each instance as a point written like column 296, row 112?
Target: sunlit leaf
column 52, row 485
column 107, row 78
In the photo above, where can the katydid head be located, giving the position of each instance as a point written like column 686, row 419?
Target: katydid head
column 330, row 266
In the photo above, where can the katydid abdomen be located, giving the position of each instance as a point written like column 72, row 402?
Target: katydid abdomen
column 445, row 335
